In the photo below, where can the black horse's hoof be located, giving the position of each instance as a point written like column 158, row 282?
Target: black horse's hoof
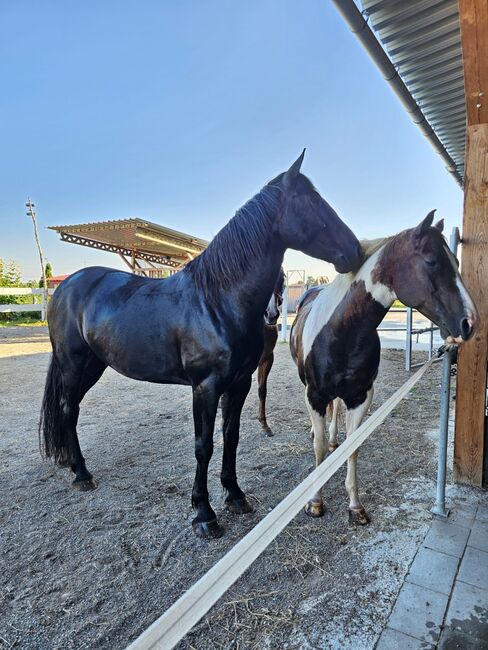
column 358, row 517
column 239, row 506
column 85, row 485
column 207, row 529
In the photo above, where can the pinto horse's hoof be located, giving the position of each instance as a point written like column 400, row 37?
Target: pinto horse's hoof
column 315, row 509
column 207, row 529
column 358, row 516
column 266, row 431
column 239, row 506
column 332, row 446
column 86, row 485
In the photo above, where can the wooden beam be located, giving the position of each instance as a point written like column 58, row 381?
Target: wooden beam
column 472, row 360
column 473, row 15
column 470, row 449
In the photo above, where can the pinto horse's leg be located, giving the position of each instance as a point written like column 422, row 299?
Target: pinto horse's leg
column 263, row 372
column 333, row 444
column 315, row 507
column 354, row 417
column 205, row 402
column 232, row 403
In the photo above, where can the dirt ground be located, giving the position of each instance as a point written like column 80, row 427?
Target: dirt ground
column 93, row 570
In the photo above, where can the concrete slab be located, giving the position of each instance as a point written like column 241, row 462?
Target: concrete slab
column 453, row 640
column 482, row 512
column 392, row 639
column 479, row 535
column 462, row 516
column 418, row 612
column 468, row 611
column 447, row 537
column 474, row 568
column 433, row 570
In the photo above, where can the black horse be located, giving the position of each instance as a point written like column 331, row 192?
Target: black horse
column 201, row 327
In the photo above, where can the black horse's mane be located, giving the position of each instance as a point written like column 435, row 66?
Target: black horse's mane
column 234, row 248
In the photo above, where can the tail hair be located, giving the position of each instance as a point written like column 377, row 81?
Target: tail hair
column 52, row 442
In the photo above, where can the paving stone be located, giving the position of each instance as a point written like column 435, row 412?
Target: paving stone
column 468, row 610
column 482, row 512
column 454, row 640
column 479, row 535
column 446, row 537
column 418, row 612
column 433, row 570
column 474, row 568
column 462, row 516
column 394, row 640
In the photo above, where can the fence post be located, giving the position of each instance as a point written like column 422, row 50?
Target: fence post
column 284, row 316
column 43, row 305
column 408, row 341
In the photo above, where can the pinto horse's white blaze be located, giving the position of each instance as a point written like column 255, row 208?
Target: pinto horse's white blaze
column 331, row 295
column 468, row 303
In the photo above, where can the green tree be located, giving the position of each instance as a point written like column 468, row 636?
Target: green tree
column 49, row 274
column 9, row 273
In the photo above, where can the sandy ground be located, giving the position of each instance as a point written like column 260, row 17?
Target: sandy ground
column 93, row 570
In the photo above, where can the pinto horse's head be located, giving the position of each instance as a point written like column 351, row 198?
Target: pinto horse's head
column 309, row 224
column 427, row 278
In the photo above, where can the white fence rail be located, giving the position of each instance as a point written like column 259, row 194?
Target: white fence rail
column 25, row 307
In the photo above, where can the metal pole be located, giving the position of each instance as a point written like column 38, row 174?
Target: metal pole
column 440, row 505
column 284, row 316
column 408, row 341
column 431, row 340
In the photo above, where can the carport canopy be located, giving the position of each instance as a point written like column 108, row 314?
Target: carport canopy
column 147, row 248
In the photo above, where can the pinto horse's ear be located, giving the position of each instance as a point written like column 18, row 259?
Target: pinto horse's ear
column 439, row 225
column 424, row 225
column 294, row 170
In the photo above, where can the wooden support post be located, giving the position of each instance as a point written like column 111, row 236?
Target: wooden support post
column 472, row 360
column 470, row 447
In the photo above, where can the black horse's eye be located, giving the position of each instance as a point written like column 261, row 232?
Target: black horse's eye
column 431, row 263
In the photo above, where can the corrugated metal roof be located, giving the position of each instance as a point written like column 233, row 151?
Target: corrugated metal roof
column 423, row 40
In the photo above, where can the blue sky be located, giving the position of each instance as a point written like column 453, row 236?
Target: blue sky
column 179, row 112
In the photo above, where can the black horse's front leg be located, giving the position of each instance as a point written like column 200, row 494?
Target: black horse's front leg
column 232, row 403
column 205, row 400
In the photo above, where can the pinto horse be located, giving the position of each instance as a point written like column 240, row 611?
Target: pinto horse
column 335, row 344
column 201, row 327
column 270, row 336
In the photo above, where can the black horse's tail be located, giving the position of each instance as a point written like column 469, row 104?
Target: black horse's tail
column 52, row 441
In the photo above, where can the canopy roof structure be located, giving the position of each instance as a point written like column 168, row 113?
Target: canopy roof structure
column 144, row 246
column 419, row 52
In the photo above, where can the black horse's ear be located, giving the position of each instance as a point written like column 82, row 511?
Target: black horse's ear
column 294, row 170
column 439, row 225
column 424, row 225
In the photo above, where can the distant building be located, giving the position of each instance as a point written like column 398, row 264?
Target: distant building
column 56, row 280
